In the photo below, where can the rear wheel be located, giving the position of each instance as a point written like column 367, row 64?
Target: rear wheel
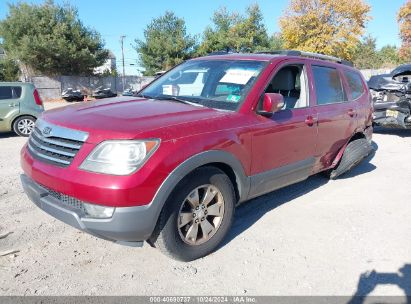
column 354, row 153
column 24, row 125
column 197, row 215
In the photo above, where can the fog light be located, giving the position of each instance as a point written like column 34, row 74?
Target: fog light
column 97, row 211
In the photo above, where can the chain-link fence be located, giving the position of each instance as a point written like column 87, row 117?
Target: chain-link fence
column 51, row 88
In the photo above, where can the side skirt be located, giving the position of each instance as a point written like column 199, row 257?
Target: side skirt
column 266, row 182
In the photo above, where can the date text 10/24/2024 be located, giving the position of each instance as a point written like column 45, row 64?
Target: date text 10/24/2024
column 203, row 299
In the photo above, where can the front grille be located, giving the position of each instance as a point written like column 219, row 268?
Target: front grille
column 65, row 199
column 58, row 147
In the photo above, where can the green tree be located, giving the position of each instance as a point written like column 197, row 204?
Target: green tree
column 251, row 34
column 231, row 31
column 166, row 44
column 366, row 55
column 390, row 56
column 50, row 39
column 9, row 70
column 219, row 36
column 276, row 42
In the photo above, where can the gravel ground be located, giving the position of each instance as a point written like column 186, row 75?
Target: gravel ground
column 317, row 237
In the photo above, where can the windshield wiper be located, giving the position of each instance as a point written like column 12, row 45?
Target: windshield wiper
column 144, row 96
column 178, row 99
column 171, row 97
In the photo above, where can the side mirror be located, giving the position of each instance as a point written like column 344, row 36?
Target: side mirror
column 272, row 102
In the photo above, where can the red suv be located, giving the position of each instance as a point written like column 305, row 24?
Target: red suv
column 170, row 165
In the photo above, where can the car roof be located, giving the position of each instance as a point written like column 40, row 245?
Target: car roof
column 240, row 56
column 16, row 83
column 267, row 57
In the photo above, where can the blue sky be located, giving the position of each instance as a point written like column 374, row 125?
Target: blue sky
column 129, row 17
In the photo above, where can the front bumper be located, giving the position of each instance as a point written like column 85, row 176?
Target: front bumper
column 128, row 225
column 381, row 117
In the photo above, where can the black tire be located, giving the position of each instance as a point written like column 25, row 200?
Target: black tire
column 167, row 236
column 18, row 125
column 354, row 153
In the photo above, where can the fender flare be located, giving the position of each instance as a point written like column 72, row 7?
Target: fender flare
column 189, row 165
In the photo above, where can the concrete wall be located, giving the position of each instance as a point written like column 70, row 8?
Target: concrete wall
column 368, row 73
column 51, row 88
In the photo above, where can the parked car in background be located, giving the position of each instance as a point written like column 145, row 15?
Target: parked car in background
column 72, row 95
column 101, row 93
column 128, row 92
column 20, row 106
column 170, row 165
column 159, row 73
column 391, row 94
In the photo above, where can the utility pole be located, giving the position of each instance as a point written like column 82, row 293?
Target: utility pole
column 122, row 58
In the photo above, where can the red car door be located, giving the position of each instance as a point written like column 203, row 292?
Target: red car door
column 283, row 146
column 336, row 115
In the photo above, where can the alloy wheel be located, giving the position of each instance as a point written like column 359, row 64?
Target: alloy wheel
column 25, row 126
column 200, row 215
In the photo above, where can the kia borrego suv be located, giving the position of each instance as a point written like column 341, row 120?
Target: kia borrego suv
column 169, row 165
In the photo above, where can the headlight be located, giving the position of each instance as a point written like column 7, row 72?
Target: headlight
column 119, row 157
column 376, row 95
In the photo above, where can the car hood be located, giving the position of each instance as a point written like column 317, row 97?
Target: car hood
column 132, row 117
column 401, row 70
column 384, row 82
column 387, row 81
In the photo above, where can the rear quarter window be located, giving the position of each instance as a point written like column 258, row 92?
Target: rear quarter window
column 355, row 83
column 328, row 85
column 17, row 92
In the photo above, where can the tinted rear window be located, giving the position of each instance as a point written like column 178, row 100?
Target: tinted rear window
column 17, row 92
column 6, row 93
column 328, row 85
column 355, row 83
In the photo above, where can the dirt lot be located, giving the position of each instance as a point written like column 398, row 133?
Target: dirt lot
column 318, row 237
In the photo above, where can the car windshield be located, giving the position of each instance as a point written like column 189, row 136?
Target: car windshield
column 219, row 84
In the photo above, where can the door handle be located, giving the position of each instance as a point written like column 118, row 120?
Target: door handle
column 12, row 105
column 351, row 112
column 310, row 121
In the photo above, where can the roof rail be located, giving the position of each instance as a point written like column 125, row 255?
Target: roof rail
column 222, row 52
column 281, row 52
column 309, row 55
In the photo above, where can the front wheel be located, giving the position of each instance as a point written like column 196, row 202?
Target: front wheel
column 197, row 216
column 24, row 125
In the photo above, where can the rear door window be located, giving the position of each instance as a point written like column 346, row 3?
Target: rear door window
column 355, row 83
column 328, row 85
column 6, row 93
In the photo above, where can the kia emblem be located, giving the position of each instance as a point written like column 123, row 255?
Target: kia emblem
column 46, row 131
